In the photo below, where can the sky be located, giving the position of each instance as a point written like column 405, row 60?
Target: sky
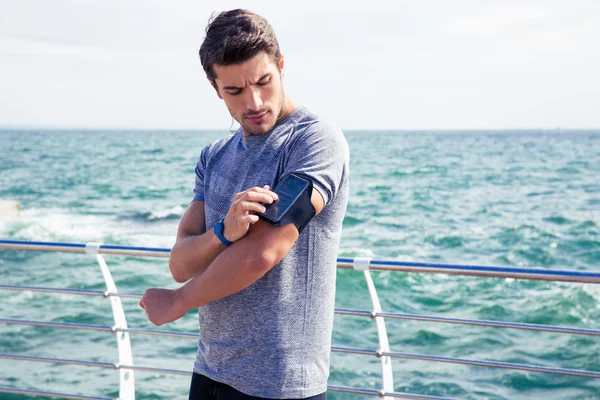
column 389, row 64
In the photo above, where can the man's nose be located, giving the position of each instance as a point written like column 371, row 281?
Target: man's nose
column 254, row 101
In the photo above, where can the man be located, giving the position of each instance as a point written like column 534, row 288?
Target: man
column 265, row 293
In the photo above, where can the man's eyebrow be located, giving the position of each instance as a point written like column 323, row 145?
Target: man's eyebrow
column 264, row 76
column 239, row 88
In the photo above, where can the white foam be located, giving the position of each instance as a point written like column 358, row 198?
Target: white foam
column 49, row 224
column 9, row 209
column 360, row 252
column 59, row 225
column 594, row 291
column 177, row 211
column 21, row 297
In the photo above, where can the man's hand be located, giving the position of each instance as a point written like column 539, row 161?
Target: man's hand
column 160, row 306
column 242, row 211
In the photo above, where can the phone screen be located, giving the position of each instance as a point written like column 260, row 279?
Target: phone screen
column 288, row 191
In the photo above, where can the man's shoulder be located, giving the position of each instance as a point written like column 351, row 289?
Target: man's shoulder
column 213, row 148
column 309, row 125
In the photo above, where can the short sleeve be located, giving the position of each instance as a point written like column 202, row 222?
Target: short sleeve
column 320, row 153
column 200, row 169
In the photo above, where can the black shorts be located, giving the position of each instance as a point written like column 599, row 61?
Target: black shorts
column 203, row 388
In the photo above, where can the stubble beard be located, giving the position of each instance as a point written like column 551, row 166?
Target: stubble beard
column 253, row 131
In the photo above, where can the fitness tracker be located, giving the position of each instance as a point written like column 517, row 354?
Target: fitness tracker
column 219, row 230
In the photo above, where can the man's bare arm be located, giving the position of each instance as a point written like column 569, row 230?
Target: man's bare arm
column 233, row 270
column 239, row 266
column 196, row 248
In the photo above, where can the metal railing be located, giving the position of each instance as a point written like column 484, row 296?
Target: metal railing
column 126, row 367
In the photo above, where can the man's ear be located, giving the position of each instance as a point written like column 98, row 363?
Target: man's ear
column 214, row 84
column 281, row 63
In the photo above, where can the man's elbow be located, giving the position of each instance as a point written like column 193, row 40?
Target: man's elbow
column 179, row 278
column 175, row 269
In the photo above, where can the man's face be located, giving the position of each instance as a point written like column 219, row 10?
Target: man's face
column 252, row 92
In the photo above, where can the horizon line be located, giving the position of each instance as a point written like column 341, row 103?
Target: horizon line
column 77, row 128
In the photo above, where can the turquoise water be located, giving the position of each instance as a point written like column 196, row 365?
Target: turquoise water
column 528, row 199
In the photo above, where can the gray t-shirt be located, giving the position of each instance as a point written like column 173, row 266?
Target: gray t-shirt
column 273, row 338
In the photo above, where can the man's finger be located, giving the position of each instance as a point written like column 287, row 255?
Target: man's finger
column 248, row 219
column 263, row 190
column 259, row 197
column 251, row 206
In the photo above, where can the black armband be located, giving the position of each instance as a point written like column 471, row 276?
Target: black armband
column 294, row 205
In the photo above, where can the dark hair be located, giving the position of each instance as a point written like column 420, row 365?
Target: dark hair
column 235, row 36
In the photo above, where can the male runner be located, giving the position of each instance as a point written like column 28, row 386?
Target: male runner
column 265, row 293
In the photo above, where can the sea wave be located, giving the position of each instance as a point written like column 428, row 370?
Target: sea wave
column 63, row 226
column 164, row 214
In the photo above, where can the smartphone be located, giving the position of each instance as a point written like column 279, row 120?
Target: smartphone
column 288, row 191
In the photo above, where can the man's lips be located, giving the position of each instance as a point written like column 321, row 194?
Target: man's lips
column 257, row 117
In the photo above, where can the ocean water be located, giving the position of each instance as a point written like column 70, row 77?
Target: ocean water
column 527, row 199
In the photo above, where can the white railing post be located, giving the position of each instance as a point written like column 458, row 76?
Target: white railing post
column 362, row 264
column 126, row 376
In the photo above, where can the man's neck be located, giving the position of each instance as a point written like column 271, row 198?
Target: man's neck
column 289, row 106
